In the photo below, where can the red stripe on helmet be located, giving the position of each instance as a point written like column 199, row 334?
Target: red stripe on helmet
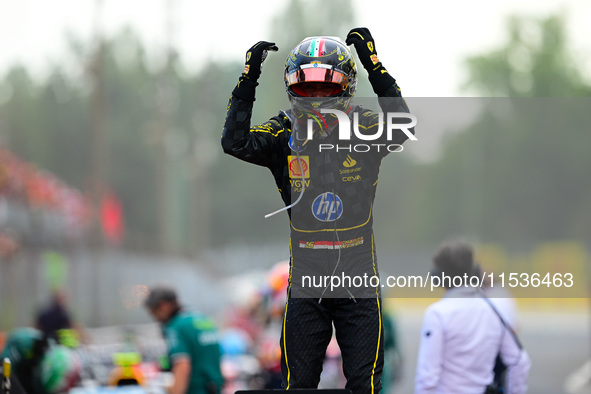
column 321, row 47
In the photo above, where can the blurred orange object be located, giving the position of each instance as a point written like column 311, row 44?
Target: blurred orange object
column 127, row 370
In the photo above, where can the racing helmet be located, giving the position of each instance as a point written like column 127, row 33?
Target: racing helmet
column 60, row 369
column 321, row 60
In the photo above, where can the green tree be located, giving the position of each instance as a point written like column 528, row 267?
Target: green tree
column 536, row 61
column 516, row 175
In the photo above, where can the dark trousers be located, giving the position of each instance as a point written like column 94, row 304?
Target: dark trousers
column 307, row 331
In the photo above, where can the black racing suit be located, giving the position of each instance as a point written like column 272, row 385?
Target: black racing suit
column 331, row 236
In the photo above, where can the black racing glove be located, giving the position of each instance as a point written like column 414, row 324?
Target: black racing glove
column 255, row 57
column 379, row 78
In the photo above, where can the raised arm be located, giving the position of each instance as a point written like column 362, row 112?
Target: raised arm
column 256, row 144
column 383, row 84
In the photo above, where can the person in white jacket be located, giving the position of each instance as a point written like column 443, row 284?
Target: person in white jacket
column 462, row 334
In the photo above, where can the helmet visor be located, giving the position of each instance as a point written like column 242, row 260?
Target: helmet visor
column 316, row 89
column 316, row 74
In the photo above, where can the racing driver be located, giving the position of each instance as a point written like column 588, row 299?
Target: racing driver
column 328, row 190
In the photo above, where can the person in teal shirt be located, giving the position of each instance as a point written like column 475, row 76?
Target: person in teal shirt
column 192, row 340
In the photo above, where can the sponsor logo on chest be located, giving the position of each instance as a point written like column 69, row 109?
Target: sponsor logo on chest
column 350, row 171
column 327, row 207
column 298, row 168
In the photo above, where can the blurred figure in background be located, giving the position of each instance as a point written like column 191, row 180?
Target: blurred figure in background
column 40, row 365
column 273, row 303
column 463, row 333
column 392, row 372
column 55, row 321
column 192, row 340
